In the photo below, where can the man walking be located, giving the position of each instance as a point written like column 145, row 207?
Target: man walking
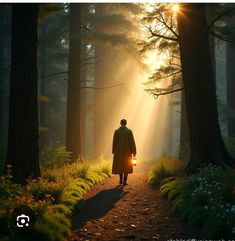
column 123, row 149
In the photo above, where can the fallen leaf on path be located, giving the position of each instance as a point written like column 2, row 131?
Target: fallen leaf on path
column 145, row 209
column 119, row 230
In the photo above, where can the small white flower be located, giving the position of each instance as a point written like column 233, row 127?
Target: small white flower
column 233, row 208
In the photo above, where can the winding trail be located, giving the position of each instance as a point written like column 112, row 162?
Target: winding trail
column 133, row 212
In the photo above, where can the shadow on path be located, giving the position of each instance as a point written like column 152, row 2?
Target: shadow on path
column 98, row 206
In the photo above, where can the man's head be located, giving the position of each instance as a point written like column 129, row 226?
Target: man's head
column 123, row 122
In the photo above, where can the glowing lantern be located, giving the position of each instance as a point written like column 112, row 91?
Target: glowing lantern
column 134, row 161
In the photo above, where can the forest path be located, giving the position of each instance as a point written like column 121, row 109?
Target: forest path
column 133, row 212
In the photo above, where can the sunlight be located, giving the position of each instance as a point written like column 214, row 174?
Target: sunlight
column 149, row 7
column 147, row 118
column 175, row 8
column 150, row 120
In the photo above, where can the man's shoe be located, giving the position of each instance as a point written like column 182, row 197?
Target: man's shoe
column 124, row 183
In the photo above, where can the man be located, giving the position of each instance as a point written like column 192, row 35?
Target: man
column 123, row 149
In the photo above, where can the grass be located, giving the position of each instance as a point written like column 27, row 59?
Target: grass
column 164, row 167
column 53, row 197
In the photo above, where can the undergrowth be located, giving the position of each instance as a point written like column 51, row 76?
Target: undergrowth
column 205, row 200
column 164, row 167
column 53, row 197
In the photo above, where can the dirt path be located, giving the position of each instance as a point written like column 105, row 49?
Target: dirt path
column 135, row 212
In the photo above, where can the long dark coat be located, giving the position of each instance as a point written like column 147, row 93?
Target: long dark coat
column 123, row 148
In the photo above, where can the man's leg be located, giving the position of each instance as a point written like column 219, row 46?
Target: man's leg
column 125, row 179
column 121, row 176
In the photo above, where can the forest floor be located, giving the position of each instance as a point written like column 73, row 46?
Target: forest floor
column 134, row 212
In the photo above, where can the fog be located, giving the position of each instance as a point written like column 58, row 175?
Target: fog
column 149, row 119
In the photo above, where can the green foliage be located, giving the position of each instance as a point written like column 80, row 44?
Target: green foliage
column 205, row 200
column 53, row 198
column 163, row 168
column 230, row 144
column 54, row 155
column 41, row 188
column 103, row 166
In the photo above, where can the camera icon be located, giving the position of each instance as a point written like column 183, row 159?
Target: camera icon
column 22, row 221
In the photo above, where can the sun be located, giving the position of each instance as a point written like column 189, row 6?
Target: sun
column 175, row 8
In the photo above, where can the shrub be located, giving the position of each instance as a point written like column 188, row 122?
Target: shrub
column 230, row 144
column 54, row 155
column 204, row 200
column 163, row 168
column 53, row 197
column 41, row 188
column 103, row 167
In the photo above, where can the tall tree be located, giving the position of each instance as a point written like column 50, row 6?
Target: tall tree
column 230, row 73
column 73, row 131
column 22, row 151
column 207, row 146
column 42, row 84
column 4, row 63
column 161, row 24
column 1, row 73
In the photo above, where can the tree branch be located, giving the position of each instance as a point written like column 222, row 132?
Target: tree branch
column 166, row 92
column 66, row 30
column 161, row 36
column 54, row 74
column 218, row 17
column 86, row 63
column 86, row 81
column 222, row 37
column 173, row 74
column 89, row 58
column 101, row 88
column 167, row 26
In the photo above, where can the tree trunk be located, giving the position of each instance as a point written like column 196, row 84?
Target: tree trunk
column 83, row 100
column 2, row 85
column 207, row 146
column 231, row 87
column 73, row 132
column 43, row 85
column 184, row 131
column 170, row 131
column 22, row 151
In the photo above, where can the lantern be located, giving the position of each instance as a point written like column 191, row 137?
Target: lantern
column 134, row 161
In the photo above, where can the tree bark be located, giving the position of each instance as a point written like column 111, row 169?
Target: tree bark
column 184, row 130
column 43, row 84
column 83, row 101
column 73, row 131
column 2, row 86
column 2, row 64
column 230, row 55
column 22, row 151
column 207, row 146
